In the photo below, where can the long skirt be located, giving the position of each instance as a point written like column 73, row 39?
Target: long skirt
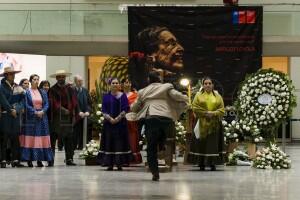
column 207, row 151
column 114, row 145
column 134, row 141
column 35, row 140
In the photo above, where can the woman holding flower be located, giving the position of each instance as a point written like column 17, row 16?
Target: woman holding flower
column 209, row 108
column 114, row 147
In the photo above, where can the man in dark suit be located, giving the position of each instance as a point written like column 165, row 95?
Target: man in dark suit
column 84, row 107
column 11, row 100
column 63, row 104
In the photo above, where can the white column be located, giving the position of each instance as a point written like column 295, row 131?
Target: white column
column 294, row 74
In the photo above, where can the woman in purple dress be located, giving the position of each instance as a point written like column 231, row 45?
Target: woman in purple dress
column 114, row 146
column 35, row 140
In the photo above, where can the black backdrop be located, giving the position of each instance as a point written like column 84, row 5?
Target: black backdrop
column 224, row 43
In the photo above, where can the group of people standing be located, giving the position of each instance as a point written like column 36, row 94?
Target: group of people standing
column 33, row 118
column 158, row 106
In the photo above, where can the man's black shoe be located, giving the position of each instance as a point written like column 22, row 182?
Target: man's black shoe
column 3, row 164
column 213, row 168
column 70, row 163
column 50, row 163
column 155, row 177
column 40, row 164
column 29, row 163
column 16, row 164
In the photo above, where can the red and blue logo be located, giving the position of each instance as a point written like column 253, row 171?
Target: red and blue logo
column 244, row 17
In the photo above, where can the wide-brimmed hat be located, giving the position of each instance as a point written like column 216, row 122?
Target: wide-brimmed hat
column 60, row 72
column 9, row 70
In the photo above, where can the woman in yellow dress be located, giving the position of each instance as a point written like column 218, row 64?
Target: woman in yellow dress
column 208, row 106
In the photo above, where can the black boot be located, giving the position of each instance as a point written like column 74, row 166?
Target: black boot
column 213, row 168
column 70, row 163
column 155, row 176
column 39, row 163
column 3, row 164
column 16, row 163
column 51, row 163
column 202, row 168
column 110, row 168
column 29, row 163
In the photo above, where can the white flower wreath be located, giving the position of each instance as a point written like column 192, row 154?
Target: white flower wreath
column 265, row 99
column 237, row 130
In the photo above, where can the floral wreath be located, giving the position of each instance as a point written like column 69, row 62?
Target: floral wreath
column 265, row 100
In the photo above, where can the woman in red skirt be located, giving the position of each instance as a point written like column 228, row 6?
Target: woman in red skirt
column 132, row 123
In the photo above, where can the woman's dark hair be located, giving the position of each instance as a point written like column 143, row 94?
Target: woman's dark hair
column 154, row 77
column 147, row 42
column 148, row 39
column 111, row 79
column 42, row 83
column 132, row 85
column 202, row 82
column 32, row 76
column 22, row 81
column 124, row 80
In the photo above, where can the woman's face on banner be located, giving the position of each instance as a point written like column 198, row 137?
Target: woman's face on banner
column 170, row 52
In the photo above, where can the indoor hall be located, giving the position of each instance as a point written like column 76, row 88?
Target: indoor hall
column 96, row 40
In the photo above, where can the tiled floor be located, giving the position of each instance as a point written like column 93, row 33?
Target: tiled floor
column 184, row 183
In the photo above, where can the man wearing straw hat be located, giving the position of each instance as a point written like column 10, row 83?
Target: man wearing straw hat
column 63, row 104
column 11, row 99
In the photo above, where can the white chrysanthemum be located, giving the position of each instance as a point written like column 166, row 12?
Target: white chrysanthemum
column 95, row 153
column 262, row 117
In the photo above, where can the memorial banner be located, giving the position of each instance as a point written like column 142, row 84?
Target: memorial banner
column 224, row 43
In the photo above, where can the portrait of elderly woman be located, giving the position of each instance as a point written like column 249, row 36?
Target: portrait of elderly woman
column 157, row 49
